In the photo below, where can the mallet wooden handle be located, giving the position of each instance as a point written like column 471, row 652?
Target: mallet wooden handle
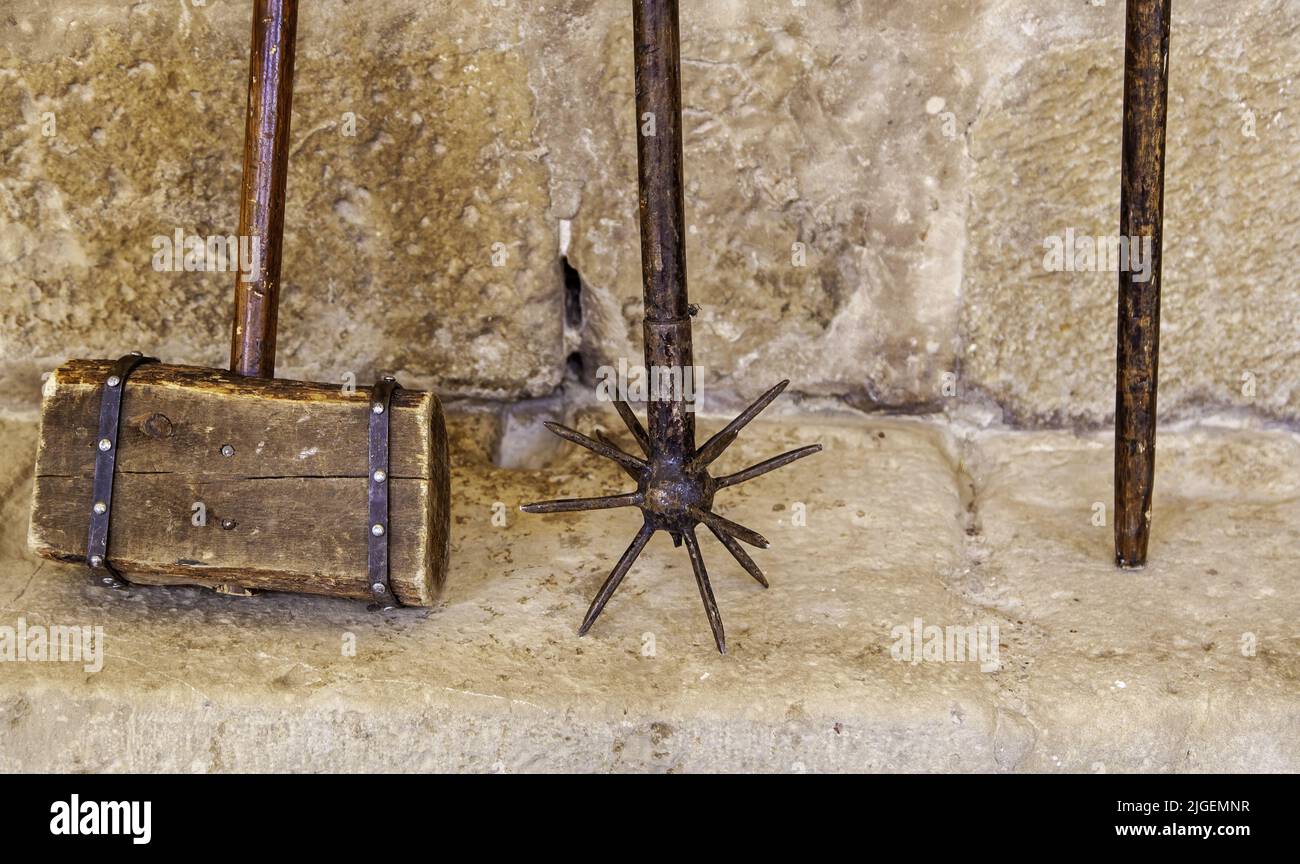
column 1146, row 82
column 261, row 208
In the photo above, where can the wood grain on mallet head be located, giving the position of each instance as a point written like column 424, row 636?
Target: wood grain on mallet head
column 279, row 467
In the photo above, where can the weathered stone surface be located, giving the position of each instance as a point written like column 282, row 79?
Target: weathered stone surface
column 491, row 126
column 1045, row 150
column 803, row 125
column 1191, row 664
column 903, row 522
column 390, row 232
column 921, row 152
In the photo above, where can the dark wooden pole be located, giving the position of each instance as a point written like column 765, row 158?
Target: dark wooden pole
column 663, row 215
column 1146, row 84
column 261, row 208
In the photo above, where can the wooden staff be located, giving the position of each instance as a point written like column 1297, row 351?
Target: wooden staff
column 266, row 166
column 1146, row 84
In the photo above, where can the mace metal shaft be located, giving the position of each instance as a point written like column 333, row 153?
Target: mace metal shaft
column 674, row 489
column 1146, row 80
column 261, row 207
column 663, row 216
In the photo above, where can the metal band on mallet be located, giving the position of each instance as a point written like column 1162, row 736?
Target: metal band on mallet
column 381, row 403
column 101, row 506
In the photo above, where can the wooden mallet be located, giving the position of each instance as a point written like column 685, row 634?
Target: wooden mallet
column 160, row 474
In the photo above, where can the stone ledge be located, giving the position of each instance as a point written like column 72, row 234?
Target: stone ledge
column 1097, row 669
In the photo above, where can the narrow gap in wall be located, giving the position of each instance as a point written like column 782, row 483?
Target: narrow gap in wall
column 575, row 363
column 523, row 441
column 572, row 294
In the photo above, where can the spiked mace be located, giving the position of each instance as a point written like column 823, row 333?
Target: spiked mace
column 674, row 489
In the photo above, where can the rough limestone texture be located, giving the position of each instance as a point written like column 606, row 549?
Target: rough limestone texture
column 869, row 185
column 417, row 239
column 1045, row 154
column 1190, row 665
column 825, row 194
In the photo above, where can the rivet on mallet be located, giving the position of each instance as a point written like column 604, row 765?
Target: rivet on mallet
column 113, row 381
column 100, row 507
column 96, row 561
column 378, row 408
column 227, row 450
column 377, row 530
column 380, row 476
column 105, row 445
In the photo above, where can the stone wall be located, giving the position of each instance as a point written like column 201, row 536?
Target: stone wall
column 870, row 184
